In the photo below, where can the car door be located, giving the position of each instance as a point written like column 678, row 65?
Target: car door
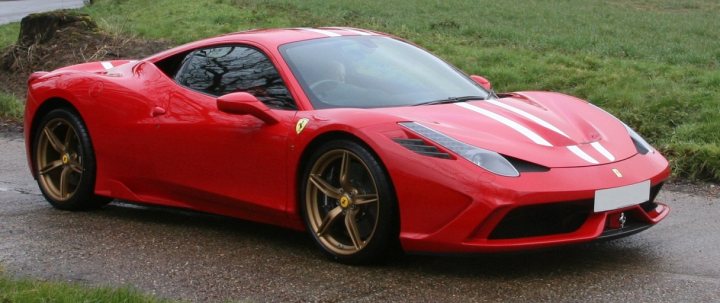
column 215, row 161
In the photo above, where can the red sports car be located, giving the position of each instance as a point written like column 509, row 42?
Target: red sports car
column 366, row 141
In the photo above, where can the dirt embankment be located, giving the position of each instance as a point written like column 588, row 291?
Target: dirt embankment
column 51, row 40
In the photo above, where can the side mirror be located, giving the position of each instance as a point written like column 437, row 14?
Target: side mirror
column 482, row 81
column 246, row 104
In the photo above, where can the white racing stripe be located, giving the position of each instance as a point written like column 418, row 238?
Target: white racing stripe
column 352, row 30
column 580, row 153
column 107, row 64
column 601, row 149
column 510, row 123
column 529, row 116
column 320, row 31
column 534, row 136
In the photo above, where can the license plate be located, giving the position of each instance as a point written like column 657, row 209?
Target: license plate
column 624, row 196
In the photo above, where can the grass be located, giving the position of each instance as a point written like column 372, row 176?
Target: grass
column 24, row 290
column 10, row 107
column 653, row 63
column 9, row 34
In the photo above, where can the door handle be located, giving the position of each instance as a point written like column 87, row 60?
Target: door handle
column 157, row 111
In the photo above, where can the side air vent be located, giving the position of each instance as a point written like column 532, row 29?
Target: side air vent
column 650, row 204
column 419, row 146
column 525, row 166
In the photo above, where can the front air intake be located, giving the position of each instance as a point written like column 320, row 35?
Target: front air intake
column 543, row 220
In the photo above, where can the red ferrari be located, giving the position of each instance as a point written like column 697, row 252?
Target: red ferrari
column 366, row 141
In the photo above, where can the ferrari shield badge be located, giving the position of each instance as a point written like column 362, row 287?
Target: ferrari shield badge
column 617, row 172
column 301, row 125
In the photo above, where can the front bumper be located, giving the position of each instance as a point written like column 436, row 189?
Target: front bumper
column 485, row 213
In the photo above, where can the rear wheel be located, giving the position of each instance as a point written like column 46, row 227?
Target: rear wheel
column 65, row 162
column 348, row 204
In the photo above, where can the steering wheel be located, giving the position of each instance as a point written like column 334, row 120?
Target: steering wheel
column 324, row 82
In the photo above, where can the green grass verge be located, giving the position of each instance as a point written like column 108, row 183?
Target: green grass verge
column 10, row 106
column 25, row 290
column 653, row 63
column 9, row 34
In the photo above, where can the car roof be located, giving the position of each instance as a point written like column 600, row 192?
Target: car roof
column 270, row 38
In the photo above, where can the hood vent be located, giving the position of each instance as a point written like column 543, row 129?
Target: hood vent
column 525, row 166
column 419, row 146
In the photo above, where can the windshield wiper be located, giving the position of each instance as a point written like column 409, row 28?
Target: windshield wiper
column 452, row 100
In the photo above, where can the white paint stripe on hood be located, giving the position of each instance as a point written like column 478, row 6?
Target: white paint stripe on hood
column 532, row 135
column 510, row 123
column 529, row 116
column 321, row 31
column 107, row 64
column 580, row 153
column 601, row 149
column 355, row 31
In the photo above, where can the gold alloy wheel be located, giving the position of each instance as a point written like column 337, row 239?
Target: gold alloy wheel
column 341, row 201
column 58, row 159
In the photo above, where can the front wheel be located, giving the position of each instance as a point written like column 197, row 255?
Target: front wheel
column 348, row 204
column 65, row 161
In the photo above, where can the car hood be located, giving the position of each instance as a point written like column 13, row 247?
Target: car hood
column 550, row 129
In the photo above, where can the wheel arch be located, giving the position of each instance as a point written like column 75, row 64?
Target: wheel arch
column 45, row 107
column 319, row 141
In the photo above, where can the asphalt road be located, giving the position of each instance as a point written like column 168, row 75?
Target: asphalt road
column 15, row 10
column 202, row 258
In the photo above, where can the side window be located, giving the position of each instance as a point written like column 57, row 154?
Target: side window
column 229, row 69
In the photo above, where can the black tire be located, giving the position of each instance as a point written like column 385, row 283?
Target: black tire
column 370, row 245
column 74, row 166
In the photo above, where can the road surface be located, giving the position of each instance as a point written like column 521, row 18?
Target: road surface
column 204, row 258
column 15, row 10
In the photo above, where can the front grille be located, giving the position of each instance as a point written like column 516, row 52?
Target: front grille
column 563, row 217
column 544, row 219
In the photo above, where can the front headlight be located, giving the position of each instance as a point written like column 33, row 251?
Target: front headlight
column 640, row 144
column 486, row 159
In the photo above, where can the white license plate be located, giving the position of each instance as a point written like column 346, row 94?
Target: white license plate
column 619, row 197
